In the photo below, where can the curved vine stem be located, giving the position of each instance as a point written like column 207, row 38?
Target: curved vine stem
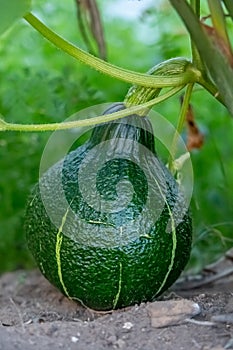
column 191, row 75
column 4, row 126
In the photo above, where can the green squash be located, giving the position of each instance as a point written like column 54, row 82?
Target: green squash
column 120, row 239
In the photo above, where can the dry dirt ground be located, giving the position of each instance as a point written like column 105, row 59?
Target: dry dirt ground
column 196, row 314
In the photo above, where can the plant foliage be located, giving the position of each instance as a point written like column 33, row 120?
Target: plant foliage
column 40, row 84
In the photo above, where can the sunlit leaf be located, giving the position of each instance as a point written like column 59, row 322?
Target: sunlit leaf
column 12, row 10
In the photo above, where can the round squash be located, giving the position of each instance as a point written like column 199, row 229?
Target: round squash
column 111, row 233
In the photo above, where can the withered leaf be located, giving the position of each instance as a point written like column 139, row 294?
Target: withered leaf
column 195, row 138
column 90, row 26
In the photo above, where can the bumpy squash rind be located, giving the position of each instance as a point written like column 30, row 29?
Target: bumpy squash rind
column 95, row 267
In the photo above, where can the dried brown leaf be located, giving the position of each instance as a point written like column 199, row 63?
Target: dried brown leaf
column 195, row 138
column 90, row 25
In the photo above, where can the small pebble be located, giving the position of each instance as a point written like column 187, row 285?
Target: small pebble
column 229, row 344
column 127, row 325
column 172, row 312
column 74, row 339
column 112, row 339
column 227, row 318
column 120, row 343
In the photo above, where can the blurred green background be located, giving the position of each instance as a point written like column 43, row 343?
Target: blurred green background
column 40, row 84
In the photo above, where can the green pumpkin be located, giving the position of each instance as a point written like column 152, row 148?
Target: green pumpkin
column 120, row 239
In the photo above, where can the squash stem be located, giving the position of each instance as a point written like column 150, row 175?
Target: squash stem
column 139, row 94
column 196, row 58
column 4, row 126
column 106, row 67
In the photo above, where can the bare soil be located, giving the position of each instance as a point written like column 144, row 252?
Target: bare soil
column 34, row 315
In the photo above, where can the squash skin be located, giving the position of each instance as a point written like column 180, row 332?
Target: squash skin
column 108, row 267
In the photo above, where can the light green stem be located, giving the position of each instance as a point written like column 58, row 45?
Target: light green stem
column 219, row 20
column 196, row 58
column 138, row 95
column 184, row 108
column 172, row 67
column 108, row 68
column 87, row 122
column 181, row 121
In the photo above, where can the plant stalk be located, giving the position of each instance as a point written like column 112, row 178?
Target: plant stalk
column 196, row 58
column 106, row 67
column 4, row 126
column 181, row 121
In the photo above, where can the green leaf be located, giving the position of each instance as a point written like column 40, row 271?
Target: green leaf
column 219, row 20
column 217, row 64
column 12, row 10
column 229, row 6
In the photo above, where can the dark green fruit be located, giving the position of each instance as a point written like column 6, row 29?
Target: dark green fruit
column 104, row 224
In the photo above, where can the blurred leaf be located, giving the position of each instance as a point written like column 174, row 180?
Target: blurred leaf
column 218, row 19
column 229, row 6
column 219, row 42
column 39, row 85
column 45, row 97
column 218, row 34
column 217, row 64
column 90, row 24
column 12, row 10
